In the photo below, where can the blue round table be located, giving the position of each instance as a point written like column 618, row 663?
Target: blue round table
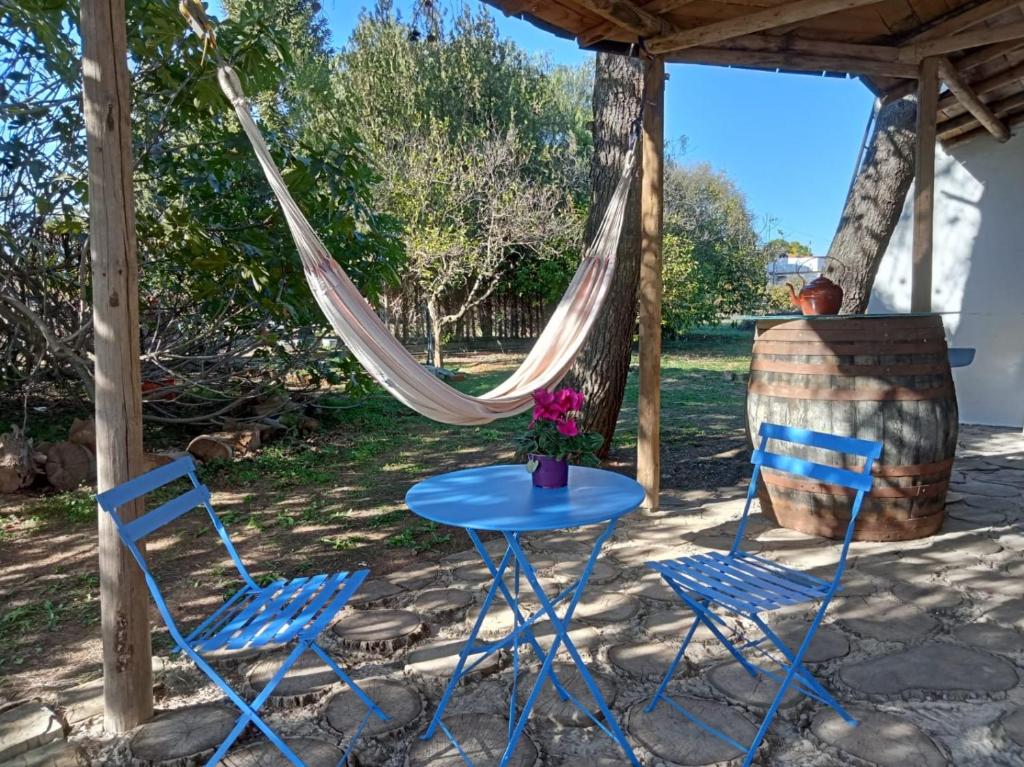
column 502, row 499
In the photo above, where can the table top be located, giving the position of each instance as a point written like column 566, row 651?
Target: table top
column 503, row 498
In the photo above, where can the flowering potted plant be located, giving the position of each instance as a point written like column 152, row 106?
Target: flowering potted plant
column 554, row 440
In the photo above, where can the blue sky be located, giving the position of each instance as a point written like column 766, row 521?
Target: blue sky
column 788, row 141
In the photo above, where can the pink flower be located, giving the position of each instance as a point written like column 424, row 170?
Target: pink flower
column 569, row 400
column 568, row 428
column 546, row 408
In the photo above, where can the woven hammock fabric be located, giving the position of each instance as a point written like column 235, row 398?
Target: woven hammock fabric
column 387, row 359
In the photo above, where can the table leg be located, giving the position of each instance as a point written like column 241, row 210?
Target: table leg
column 561, row 626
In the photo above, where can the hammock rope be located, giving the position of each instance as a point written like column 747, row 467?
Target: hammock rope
column 364, row 333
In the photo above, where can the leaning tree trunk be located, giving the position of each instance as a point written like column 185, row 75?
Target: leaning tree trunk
column 874, row 205
column 603, row 364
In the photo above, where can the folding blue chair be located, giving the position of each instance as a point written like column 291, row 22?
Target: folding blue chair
column 748, row 585
column 285, row 611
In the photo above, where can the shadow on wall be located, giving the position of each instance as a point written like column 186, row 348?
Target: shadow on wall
column 978, row 276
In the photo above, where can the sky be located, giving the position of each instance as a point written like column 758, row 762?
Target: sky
column 788, row 141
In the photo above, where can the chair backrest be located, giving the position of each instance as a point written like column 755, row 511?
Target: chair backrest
column 137, row 529
column 859, row 481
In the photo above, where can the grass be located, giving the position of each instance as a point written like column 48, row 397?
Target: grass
column 334, row 500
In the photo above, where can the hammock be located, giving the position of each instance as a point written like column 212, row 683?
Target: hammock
column 384, row 356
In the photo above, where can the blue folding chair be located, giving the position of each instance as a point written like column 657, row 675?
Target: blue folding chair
column 748, row 585
column 285, row 611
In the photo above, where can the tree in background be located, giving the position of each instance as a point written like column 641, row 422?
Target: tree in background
column 874, row 204
column 479, row 150
column 226, row 315
column 600, row 370
column 712, row 263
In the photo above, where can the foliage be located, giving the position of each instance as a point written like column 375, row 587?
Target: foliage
column 713, row 266
column 225, row 313
column 481, row 153
column 554, row 430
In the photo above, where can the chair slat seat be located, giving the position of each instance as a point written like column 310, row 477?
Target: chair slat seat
column 741, row 582
column 279, row 613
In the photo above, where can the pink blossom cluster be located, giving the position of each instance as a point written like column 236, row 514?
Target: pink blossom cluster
column 559, row 407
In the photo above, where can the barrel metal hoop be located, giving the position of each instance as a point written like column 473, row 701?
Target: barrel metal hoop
column 927, row 490
column 891, row 394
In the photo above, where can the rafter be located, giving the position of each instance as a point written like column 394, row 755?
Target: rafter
column 1004, row 33
column 794, row 61
column 628, row 16
column 987, row 85
column 962, row 18
column 966, row 96
column 758, row 21
column 1012, row 119
column 955, row 126
column 607, row 28
column 964, row 64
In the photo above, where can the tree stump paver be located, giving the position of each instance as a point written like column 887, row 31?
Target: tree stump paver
column 734, row 682
column 441, row 604
column 1013, row 725
column 307, row 680
column 670, row 736
column 828, row 643
column 929, row 596
column 400, row 702
column 483, row 739
column 184, row 733
column 644, row 660
column 549, row 704
column 312, row 751
column 671, row 626
column 989, row 636
column 378, row 630
column 884, row 618
column 56, row 753
column 437, row 659
column 934, row 669
column 26, row 727
column 606, row 607
column 881, row 738
column 374, row 591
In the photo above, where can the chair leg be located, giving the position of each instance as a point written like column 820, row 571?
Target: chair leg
column 670, row 672
column 343, row 676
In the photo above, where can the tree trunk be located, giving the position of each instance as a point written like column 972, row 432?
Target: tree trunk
column 603, row 364
column 435, row 332
column 874, row 205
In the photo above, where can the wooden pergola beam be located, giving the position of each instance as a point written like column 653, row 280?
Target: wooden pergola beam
column 924, row 187
column 628, row 16
column 758, row 21
column 1011, row 119
column 606, row 28
column 966, row 96
column 961, row 19
column 1006, row 33
column 964, row 64
column 794, row 61
column 648, row 450
column 124, row 601
column 989, row 84
column 954, row 127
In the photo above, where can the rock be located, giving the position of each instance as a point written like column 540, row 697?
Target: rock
column 885, row 619
column 442, row 604
column 733, row 681
column 881, row 739
column 672, row 737
column 914, row 673
column 482, row 738
column 378, row 630
column 26, row 727
column 184, row 733
column 307, row 680
column 313, row 753
column 438, row 659
column 604, row 607
column 57, row 753
column 644, row 660
column 989, row 636
column 549, row 704
column 401, row 703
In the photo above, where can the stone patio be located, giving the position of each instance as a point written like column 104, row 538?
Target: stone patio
column 925, row 647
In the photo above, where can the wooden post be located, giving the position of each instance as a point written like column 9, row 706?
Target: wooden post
column 648, row 449
column 924, row 186
column 124, row 602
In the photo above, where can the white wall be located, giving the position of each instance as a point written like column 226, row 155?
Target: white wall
column 978, row 276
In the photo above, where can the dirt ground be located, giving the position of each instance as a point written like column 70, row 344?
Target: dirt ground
column 328, row 503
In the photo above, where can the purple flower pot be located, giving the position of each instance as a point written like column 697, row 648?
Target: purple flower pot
column 550, row 472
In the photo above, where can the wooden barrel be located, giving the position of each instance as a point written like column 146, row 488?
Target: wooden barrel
column 877, row 377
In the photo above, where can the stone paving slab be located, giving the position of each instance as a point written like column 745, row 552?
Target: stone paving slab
column 880, row 738
column 914, row 673
column 26, row 727
column 989, row 636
